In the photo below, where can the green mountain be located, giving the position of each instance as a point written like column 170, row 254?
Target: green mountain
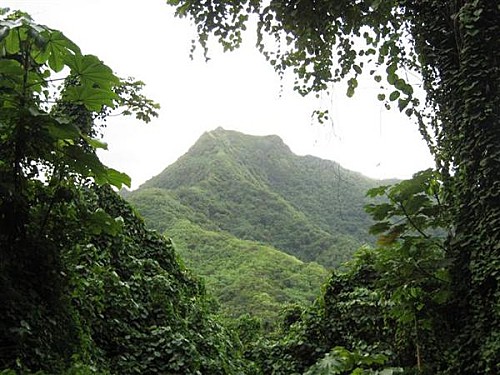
column 245, row 276
column 256, row 189
column 249, row 216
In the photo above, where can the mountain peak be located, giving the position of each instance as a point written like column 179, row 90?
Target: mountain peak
column 255, row 188
column 237, row 137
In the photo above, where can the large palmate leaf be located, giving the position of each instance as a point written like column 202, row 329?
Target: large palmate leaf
column 58, row 49
column 92, row 98
column 91, row 71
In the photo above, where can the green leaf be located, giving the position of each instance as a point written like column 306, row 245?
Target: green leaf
column 62, row 131
column 380, row 227
column 394, row 95
column 86, row 163
column 416, row 203
column 377, row 191
column 392, row 78
column 95, row 143
column 384, row 49
column 403, row 103
column 400, row 84
column 11, row 67
column 352, row 84
column 58, row 48
column 117, row 178
column 92, row 71
column 101, row 222
column 12, row 42
column 379, row 211
column 92, row 98
column 391, row 69
column 40, row 36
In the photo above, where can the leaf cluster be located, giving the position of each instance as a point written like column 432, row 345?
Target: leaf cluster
column 452, row 46
column 320, row 42
column 85, row 288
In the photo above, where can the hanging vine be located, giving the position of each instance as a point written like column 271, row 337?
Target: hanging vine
column 453, row 46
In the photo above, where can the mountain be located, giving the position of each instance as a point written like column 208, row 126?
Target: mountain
column 235, row 203
column 246, row 277
column 256, row 189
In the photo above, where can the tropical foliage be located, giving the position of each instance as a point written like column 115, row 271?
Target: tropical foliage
column 381, row 313
column 85, row 288
column 452, row 48
column 247, row 278
column 256, row 189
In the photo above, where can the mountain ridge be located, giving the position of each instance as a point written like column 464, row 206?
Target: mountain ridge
column 231, row 193
column 306, row 193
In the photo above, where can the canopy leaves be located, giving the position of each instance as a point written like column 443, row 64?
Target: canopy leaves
column 451, row 47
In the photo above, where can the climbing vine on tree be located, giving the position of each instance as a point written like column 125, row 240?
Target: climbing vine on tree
column 51, row 96
column 84, row 287
column 452, row 46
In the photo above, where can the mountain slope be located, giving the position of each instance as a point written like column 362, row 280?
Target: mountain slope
column 256, row 189
column 235, row 204
column 244, row 276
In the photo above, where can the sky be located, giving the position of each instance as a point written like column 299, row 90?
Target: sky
column 237, row 91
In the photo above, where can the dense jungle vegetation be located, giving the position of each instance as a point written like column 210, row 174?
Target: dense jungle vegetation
column 255, row 188
column 87, row 289
column 233, row 200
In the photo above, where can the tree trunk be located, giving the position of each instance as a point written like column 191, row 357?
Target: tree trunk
column 461, row 50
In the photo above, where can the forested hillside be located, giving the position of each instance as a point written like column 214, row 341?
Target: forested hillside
column 247, row 277
column 86, row 288
column 256, row 189
column 241, row 210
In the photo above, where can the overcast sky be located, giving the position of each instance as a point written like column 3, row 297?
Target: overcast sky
column 236, row 91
